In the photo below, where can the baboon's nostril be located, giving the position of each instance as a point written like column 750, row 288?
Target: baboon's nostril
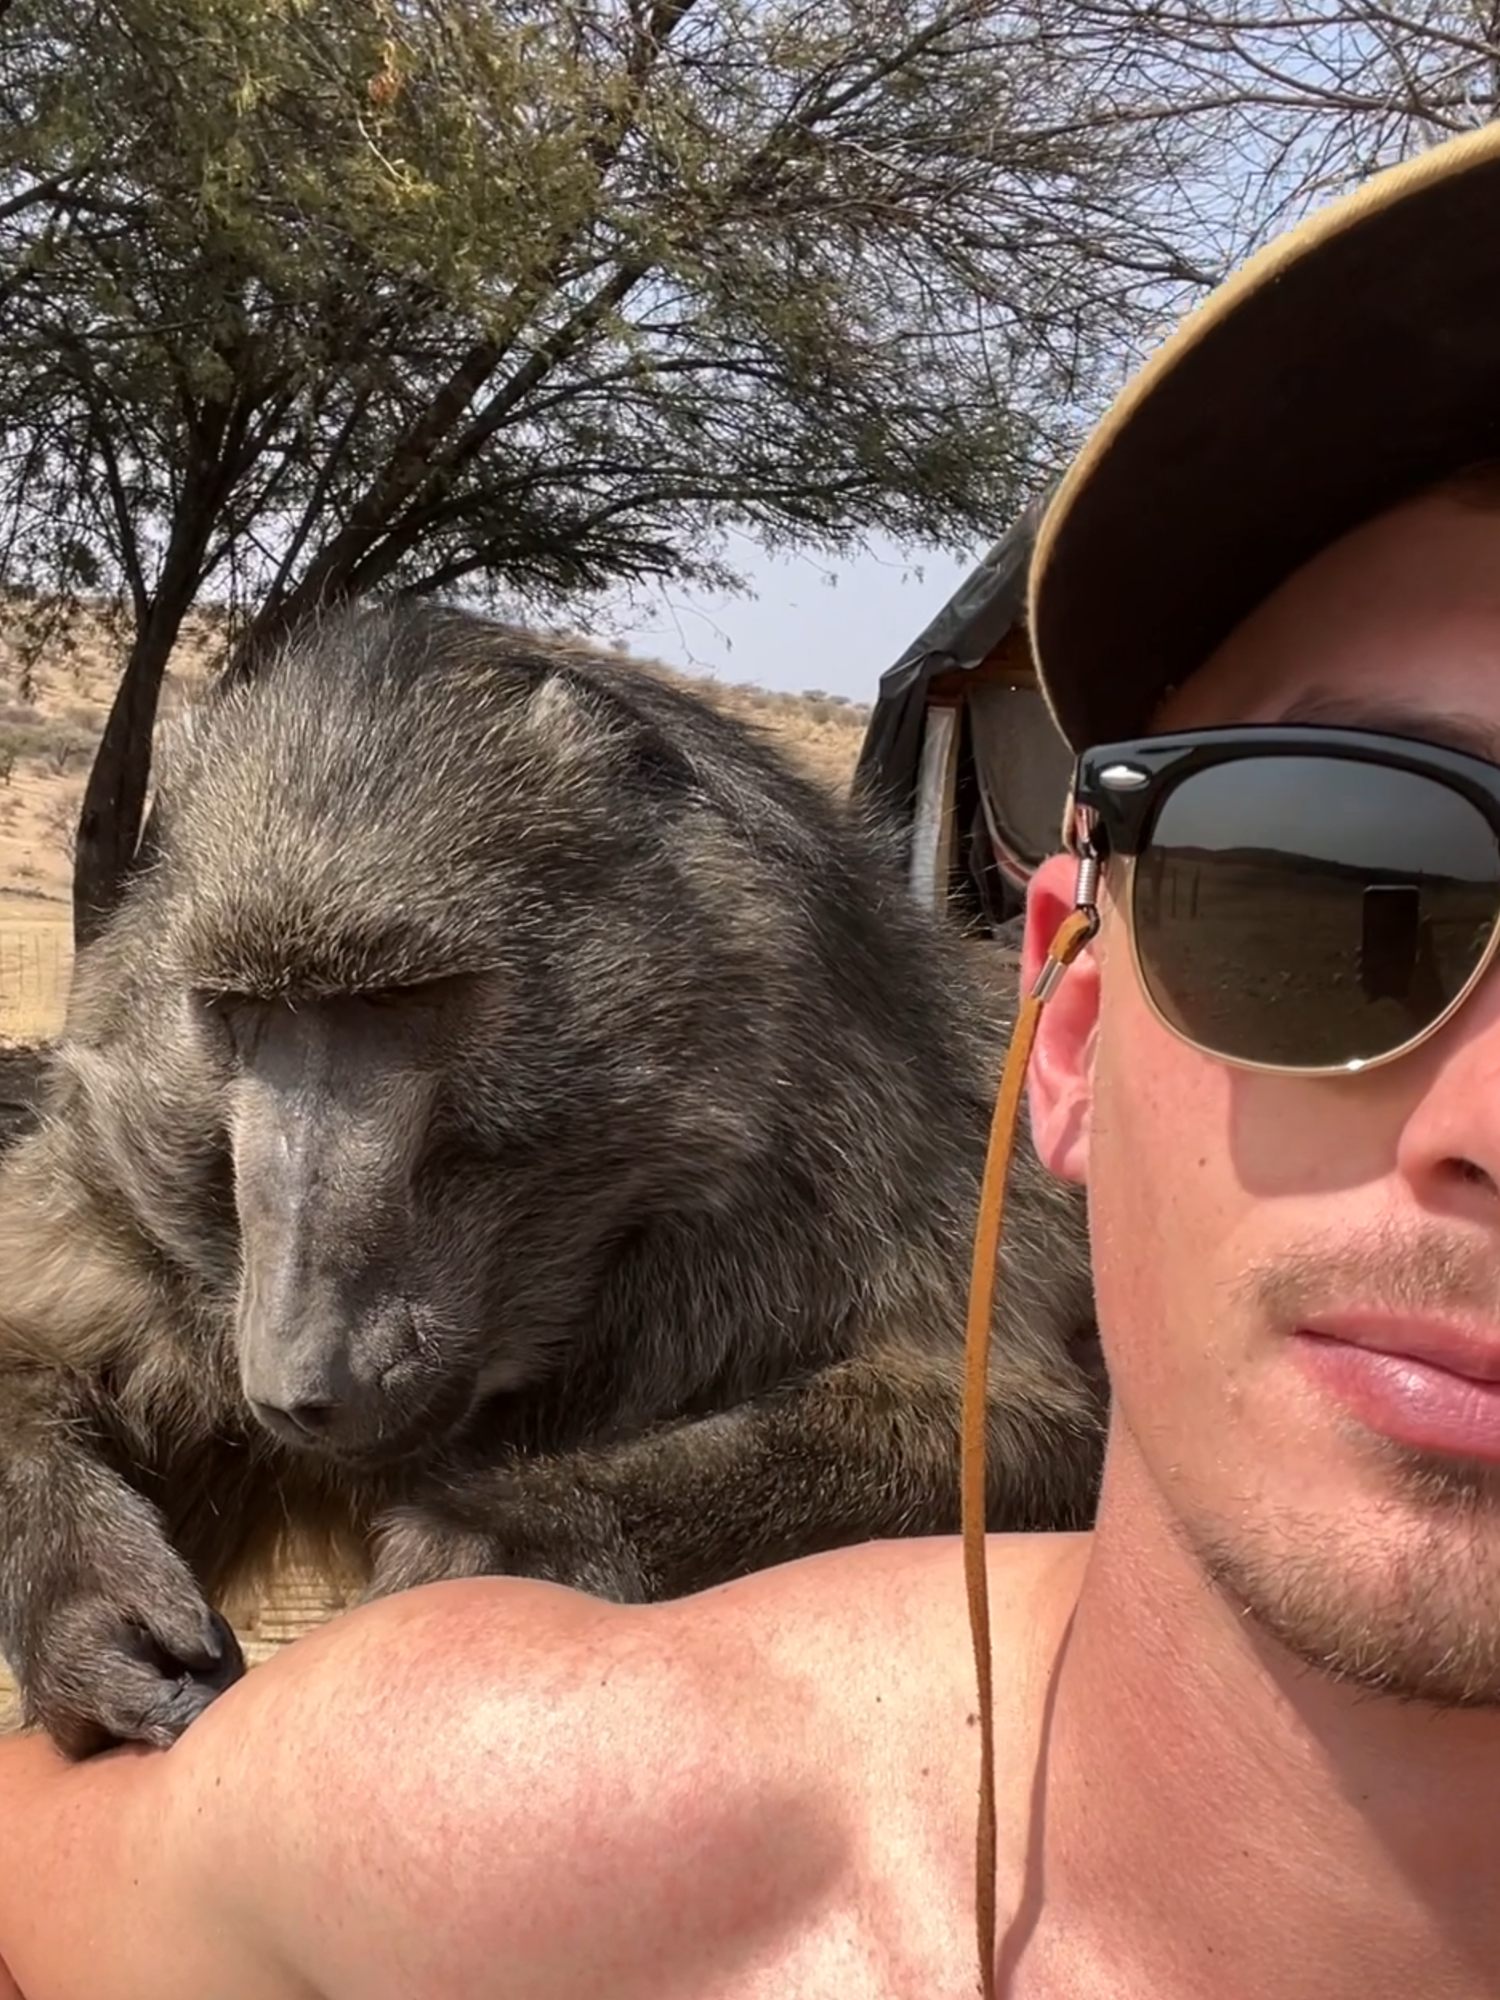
column 313, row 1419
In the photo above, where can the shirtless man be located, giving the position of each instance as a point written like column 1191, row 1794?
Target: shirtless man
column 1249, row 1729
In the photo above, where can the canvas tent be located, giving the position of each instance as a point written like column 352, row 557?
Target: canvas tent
column 961, row 749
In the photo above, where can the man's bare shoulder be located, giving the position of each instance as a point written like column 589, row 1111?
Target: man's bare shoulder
column 848, row 1640
column 831, row 1630
column 740, row 1778
column 731, row 1780
column 506, row 1787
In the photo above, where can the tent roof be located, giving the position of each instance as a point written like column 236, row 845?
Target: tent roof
column 985, row 608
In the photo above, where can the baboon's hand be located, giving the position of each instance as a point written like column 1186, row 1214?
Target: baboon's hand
column 509, row 1524
column 130, row 1657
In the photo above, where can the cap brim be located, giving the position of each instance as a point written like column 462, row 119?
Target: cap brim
column 1354, row 360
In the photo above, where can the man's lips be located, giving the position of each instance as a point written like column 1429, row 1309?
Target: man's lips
column 1430, row 1384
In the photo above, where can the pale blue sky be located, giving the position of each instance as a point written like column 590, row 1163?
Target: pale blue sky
column 813, row 623
column 837, row 624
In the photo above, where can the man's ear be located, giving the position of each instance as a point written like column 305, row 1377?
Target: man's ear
column 1059, row 1075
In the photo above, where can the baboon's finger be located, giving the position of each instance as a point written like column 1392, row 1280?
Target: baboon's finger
column 109, row 1677
column 131, row 1703
column 194, row 1639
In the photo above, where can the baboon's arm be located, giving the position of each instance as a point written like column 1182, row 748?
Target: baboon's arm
column 101, row 1620
column 861, row 1451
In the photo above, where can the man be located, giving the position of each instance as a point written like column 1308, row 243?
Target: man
column 1248, row 1731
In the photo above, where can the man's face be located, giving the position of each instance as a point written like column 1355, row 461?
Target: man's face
column 1257, row 1237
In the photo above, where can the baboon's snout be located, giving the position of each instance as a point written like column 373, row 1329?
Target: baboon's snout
column 327, row 1370
column 333, row 1348
column 331, row 1332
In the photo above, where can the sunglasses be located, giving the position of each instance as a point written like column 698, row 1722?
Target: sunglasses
column 1305, row 900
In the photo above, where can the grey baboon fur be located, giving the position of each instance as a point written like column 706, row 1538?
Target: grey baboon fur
column 509, row 1063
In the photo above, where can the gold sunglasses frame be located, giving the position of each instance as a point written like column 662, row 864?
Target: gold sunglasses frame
column 1150, row 767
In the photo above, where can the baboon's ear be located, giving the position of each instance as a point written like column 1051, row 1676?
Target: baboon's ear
column 1059, row 1076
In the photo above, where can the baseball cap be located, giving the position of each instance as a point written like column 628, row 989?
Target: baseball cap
column 1350, row 362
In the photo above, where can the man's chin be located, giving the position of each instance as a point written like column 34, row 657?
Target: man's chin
column 1400, row 1601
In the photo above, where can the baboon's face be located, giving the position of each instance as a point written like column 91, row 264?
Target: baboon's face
column 365, row 1243
column 465, row 975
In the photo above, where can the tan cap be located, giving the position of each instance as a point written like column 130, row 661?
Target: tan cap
column 1350, row 362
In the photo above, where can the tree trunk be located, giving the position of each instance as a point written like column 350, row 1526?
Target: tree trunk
column 109, row 822
column 109, row 843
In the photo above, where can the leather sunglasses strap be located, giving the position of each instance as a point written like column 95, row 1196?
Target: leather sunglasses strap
column 1071, row 937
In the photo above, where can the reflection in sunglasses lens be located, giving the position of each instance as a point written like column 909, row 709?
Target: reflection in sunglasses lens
column 1312, row 911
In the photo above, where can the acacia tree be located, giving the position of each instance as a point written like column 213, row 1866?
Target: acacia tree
column 1312, row 98
column 302, row 298
column 525, row 298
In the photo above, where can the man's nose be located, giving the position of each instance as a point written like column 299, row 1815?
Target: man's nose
column 1449, row 1147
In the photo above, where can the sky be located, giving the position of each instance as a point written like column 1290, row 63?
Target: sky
column 836, row 625
column 810, row 622
column 813, row 622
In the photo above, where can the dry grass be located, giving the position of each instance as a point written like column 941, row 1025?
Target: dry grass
column 36, row 957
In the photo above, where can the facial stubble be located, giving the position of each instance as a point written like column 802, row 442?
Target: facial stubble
column 1400, row 1596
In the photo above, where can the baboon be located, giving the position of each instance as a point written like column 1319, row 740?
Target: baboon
column 515, row 1123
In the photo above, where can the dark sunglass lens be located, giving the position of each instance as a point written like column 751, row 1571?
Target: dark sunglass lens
column 1312, row 911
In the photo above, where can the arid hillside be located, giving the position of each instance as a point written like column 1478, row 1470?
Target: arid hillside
column 50, row 725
